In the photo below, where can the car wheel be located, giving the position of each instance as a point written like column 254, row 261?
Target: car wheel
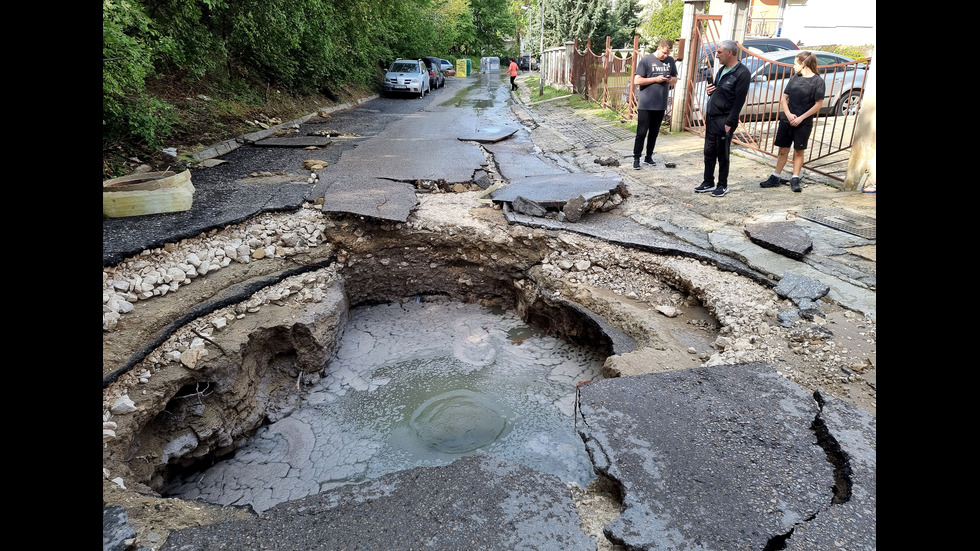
column 849, row 103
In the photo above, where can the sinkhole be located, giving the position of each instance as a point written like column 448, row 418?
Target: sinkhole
column 420, row 383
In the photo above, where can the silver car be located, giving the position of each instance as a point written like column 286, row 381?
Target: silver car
column 407, row 76
column 844, row 81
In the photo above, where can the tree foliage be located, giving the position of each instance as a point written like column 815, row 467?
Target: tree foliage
column 493, row 21
column 591, row 19
column 295, row 45
column 624, row 23
column 664, row 21
column 570, row 19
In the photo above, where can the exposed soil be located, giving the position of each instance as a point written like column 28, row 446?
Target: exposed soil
column 722, row 318
column 206, row 113
column 626, row 287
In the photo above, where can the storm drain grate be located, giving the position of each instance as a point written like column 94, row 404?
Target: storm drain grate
column 839, row 219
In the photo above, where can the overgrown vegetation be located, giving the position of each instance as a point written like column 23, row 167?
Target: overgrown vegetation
column 170, row 66
column 664, row 22
column 853, row 52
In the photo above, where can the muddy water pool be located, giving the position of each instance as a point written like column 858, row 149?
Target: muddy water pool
column 416, row 384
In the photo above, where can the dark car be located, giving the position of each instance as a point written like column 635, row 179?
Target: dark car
column 769, row 44
column 436, row 77
column 527, row 63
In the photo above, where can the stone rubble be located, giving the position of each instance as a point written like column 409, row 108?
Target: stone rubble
column 572, row 264
column 744, row 310
column 191, row 342
column 156, row 272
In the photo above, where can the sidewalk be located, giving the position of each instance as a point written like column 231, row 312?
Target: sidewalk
column 664, row 199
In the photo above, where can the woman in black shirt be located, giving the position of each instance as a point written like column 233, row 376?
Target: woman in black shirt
column 800, row 102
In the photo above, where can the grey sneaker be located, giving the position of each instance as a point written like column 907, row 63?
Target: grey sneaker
column 773, row 181
column 705, row 187
column 794, row 184
column 636, row 164
column 720, row 191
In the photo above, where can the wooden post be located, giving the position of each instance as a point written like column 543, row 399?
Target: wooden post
column 606, row 61
column 636, row 60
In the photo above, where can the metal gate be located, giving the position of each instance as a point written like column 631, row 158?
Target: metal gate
column 833, row 128
column 604, row 78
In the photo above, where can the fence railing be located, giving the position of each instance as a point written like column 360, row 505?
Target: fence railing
column 604, row 78
column 833, row 127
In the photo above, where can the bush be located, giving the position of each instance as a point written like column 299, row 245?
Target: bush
column 147, row 119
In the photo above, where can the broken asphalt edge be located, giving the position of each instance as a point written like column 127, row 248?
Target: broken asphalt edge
column 232, row 144
column 233, row 295
column 720, row 261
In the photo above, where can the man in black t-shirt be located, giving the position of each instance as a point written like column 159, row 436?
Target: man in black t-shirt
column 654, row 75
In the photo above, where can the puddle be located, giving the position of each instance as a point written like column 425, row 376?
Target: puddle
column 411, row 385
column 475, row 103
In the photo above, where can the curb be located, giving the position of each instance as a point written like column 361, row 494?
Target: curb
column 226, row 146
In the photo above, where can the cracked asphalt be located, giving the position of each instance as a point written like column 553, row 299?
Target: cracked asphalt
column 705, row 458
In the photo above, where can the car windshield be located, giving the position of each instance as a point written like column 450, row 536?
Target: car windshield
column 404, row 67
column 760, row 66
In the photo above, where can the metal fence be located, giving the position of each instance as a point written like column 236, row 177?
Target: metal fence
column 833, row 128
column 604, row 78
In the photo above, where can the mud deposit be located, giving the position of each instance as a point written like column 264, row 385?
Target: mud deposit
column 415, row 384
column 239, row 370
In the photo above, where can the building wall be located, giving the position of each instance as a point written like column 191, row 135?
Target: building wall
column 820, row 22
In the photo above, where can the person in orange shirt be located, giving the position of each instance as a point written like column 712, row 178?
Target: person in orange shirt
column 512, row 71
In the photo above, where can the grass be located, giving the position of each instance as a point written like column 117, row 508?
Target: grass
column 206, row 112
column 533, row 83
column 584, row 106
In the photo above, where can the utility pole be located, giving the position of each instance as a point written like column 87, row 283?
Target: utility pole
column 541, row 55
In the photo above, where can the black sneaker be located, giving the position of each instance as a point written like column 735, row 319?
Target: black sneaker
column 649, row 160
column 773, row 181
column 705, row 187
column 794, row 184
column 720, row 191
column 636, row 164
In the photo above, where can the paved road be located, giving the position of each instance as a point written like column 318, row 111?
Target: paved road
column 732, row 435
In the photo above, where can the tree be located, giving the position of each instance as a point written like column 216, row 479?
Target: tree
column 624, row 22
column 493, row 21
column 455, row 31
column 571, row 19
column 664, row 21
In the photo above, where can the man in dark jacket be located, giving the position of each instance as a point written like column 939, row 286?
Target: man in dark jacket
column 726, row 98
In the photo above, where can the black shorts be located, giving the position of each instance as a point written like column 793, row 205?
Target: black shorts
column 787, row 134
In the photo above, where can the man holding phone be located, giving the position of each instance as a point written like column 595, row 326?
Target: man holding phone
column 655, row 74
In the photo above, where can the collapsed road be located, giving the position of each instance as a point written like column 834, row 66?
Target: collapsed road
column 730, row 416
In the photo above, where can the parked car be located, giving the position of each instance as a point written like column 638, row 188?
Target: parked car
column 771, row 74
column 409, row 76
column 769, row 44
column 527, row 63
column 761, row 45
column 447, row 68
column 434, row 66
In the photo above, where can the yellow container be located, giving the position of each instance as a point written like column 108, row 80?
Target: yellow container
column 147, row 193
